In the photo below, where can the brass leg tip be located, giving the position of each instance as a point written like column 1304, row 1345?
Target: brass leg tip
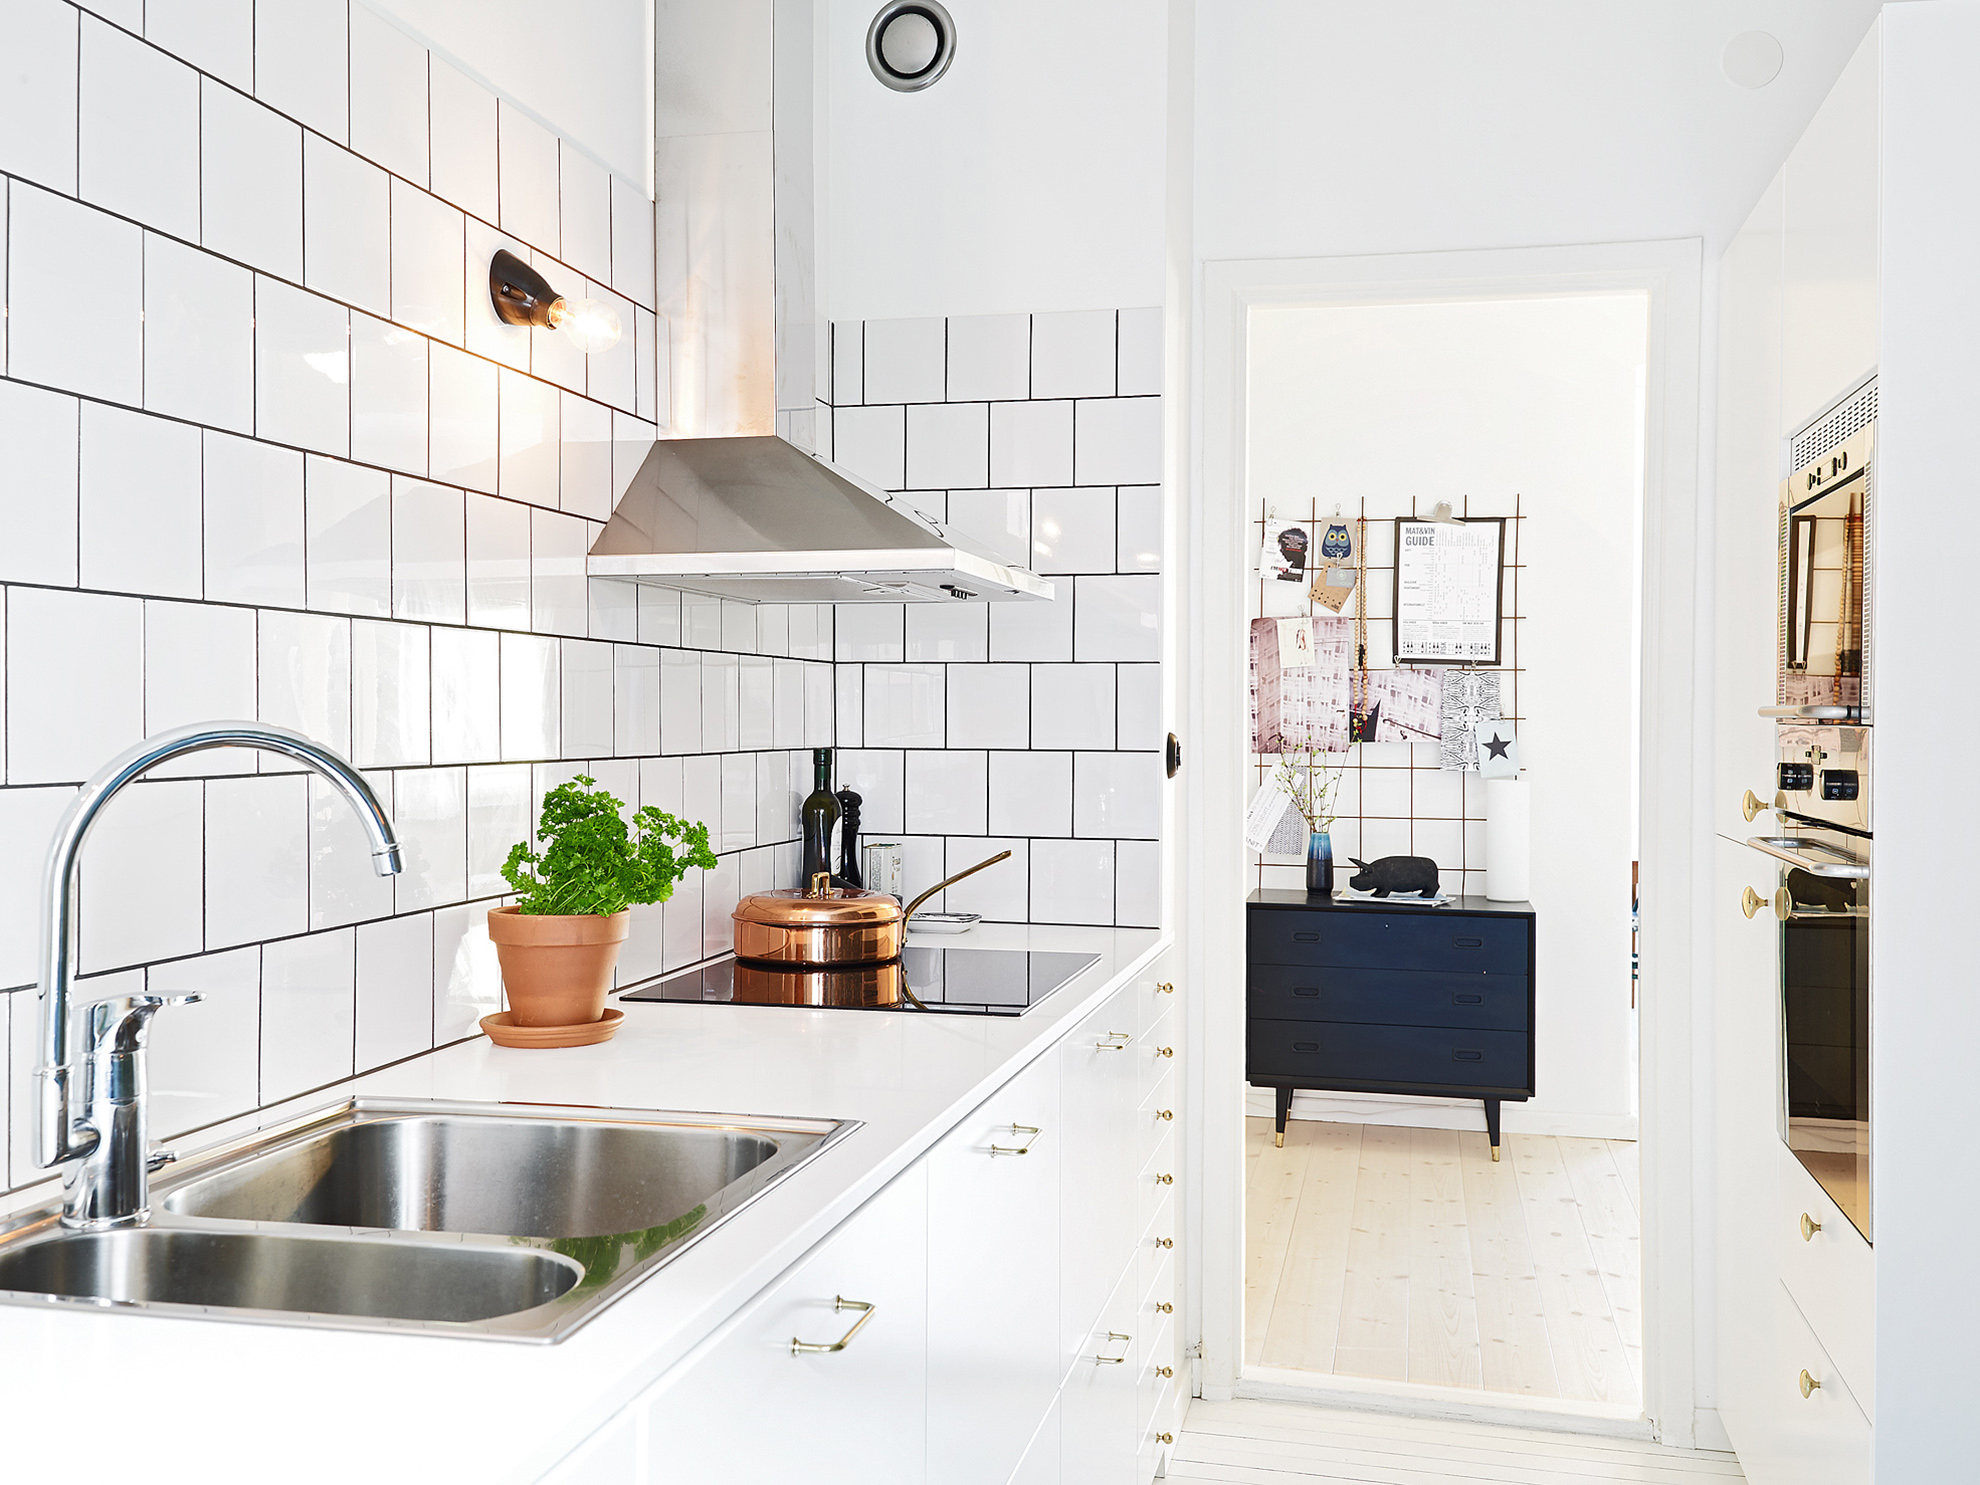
column 1495, row 1154
column 1279, row 1139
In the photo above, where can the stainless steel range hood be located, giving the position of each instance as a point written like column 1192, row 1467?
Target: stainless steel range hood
column 740, row 498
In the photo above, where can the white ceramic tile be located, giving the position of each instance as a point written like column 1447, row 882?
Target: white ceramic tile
column 141, row 876
column 555, row 357
column 585, row 193
column 632, row 242
column 388, row 395
column 756, row 689
column 486, row 334
column 75, row 682
column 1033, row 631
column 1141, row 353
column 1073, row 706
column 946, row 792
column 1072, row 354
column 948, row 445
column 530, row 697
column 653, row 391
column 257, row 858
column 587, row 699
column 202, row 1060
column 921, row 867
column 614, row 609
column 878, row 776
column 659, row 615
column 1138, row 884
column 559, row 597
column 904, row 360
column 467, row 978
column 777, row 799
column 1117, row 618
column 609, row 374
column 394, row 979
column 528, row 163
column 344, row 885
column 462, row 440
column 585, row 449
column 1031, row 793
column 250, row 165
column 773, row 628
column 719, row 891
column 388, row 95
column 82, row 327
column 497, row 563
column 308, row 1011
column 1138, row 535
column 38, row 498
column 463, row 146
column 467, row 696
column 390, row 695
column 139, row 503
column 996, row 523
column 701, row 621
column 529, row 442
column 635, row 700
column 701, row 793
column 904, row 706
column 428, row 245
column 1117, row 794
column 302, row 368
column 430, row 811
column 38, row 93
column 1120, row 442
column 721, row 703
column 680, row 701
column 1072, row 531
column 739, row 632
column 848, row 363
column 199, row 666
column 302, row 61
column 810, row 631
column 348, row 536
column 498, row 803
column 870, row 631
column 1139, row 707
column 787, row 704
column 27, row 821
column 1000, row 894
column 198, row 336
column 989, row 358
column 347, row 227
column 989, row 706
column 1072, row 881
column 138, row 137
column 820, row 706
column 429, row 564
column 871, row 442
column 738, row 802
column 848, row 704
column 1031, row 443
column 305, row 675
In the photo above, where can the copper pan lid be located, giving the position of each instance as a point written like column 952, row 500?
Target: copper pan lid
column 820, row 905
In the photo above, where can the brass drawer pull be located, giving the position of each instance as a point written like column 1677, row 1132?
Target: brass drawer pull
column 1750, row 902
column 1165, row 1051
column 1164, row 1114
column 1165, row 1371
column 1808, row 1383
column 1166, row 988
column 839, row 1303
column 1165, row 1438
column 1164, row 1308
column 1165, row 1180
column 1030, row 1131
column 1165, row 1242
column 1125, row 1340
column 1809, row 1227
column 1114, row 1041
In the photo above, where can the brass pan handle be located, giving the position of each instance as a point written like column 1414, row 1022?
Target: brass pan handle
column 950, row 882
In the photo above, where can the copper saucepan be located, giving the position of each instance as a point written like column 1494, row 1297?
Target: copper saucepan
column 823, row 924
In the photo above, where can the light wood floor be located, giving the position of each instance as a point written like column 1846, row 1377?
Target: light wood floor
column 1407, row 1254
column 1274, row 1443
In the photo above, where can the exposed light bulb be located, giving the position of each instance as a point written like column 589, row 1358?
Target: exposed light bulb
column 591, row 323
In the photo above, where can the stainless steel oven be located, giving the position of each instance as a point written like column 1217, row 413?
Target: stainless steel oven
column 1822, row 836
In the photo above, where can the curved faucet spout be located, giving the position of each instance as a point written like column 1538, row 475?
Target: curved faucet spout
column 60, row 1134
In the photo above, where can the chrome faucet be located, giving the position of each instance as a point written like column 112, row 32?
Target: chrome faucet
column 109, row 1184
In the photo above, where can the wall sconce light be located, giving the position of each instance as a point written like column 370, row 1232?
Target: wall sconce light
column 523, row 297
column 910, row 44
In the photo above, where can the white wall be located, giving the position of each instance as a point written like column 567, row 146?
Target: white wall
column 1539, row 397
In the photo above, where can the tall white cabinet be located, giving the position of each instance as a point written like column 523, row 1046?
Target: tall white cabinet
column 1838, row 1361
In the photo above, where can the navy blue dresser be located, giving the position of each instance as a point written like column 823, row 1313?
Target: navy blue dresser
column 1369, row 997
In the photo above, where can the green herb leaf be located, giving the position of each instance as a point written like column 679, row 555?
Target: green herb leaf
column 589, row 860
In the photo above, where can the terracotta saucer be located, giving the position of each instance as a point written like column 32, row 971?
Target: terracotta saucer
column 505, row 1033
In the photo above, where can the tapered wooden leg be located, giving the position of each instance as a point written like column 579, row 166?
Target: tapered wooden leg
column 1282, row 1107
column 1492, row 1124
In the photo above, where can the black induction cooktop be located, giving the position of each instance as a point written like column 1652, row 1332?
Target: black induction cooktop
column 960, row 982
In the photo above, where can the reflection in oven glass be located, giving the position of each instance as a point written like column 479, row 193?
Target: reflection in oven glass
column 1826, row 1006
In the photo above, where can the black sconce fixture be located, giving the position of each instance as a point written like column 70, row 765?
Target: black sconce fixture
column 523, row 297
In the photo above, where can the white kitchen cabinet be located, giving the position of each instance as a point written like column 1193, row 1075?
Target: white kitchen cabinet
column 1098, row 1078
column 608, row 1457
column 1040, row 1465
column 747, row 1411
column 1832, row 1274
column 993, row 1280
column 1825, row 1437
column 1097, row 1423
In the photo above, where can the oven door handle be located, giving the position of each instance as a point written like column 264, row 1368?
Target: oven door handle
column 1815, row 713
column 1854, row 871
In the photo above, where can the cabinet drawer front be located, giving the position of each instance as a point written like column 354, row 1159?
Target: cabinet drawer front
column 1832, row 1275
column 1422, row 939
column 1099, row 1157
column 1156, row 1052
column 1150, row 1255
column 1347, row 1056
column 1387, row 997
column 1150, row 1186
column 1826, row 1440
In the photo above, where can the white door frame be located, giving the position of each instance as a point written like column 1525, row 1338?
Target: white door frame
column 1216, row 560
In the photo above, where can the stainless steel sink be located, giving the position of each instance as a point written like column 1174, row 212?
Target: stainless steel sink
column 514, row 1221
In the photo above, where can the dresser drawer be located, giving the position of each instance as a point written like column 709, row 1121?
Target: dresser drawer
column 1341, row 1055
column 1421, row 939
column 1387, row 997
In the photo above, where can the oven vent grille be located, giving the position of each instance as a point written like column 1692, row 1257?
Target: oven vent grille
column 1850, row 416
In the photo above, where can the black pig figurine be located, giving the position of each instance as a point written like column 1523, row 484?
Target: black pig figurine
column 1395, row 874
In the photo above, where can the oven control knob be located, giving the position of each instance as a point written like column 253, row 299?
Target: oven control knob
column 1796, row 777
column 1839, row 783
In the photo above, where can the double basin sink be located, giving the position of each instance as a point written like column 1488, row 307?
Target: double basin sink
column 510, row 1221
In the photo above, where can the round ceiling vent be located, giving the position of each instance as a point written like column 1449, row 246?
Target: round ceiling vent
column 1752, row 59
column 910, row 44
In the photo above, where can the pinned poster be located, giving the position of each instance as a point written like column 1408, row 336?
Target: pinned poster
column 1498, row 751
column 1288, row 544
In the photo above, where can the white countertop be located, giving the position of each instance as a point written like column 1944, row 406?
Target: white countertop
column 205, row 1400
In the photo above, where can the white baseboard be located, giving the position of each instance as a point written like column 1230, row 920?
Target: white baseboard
column 1419, row 1400
column 1708, row 1431
column 1440, row 1113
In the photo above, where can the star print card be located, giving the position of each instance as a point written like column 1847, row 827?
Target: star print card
column 1498, row 751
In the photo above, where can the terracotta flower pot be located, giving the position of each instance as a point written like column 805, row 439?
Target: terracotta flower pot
column 557, row 968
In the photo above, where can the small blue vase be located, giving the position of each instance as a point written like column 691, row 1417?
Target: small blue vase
column 1319, row 865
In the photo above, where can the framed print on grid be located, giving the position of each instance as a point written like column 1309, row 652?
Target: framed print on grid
column 1450, row 590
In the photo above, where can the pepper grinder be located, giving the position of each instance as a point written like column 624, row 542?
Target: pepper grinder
column 849, row 803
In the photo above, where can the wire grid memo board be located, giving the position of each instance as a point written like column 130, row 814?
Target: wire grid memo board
column 1394, row 798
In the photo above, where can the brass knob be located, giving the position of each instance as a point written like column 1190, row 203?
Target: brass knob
column 1165, row 1051
column 1783, row 904
column 1165, row 1438
column 1809, row 1227
column 1164, row 1115
column 1165, row 1242
column 1808, row 1383
column 1753, row 804
column 1750, row 902
column 1164, row 1308
column 1165, row 1180
column 1165, row 1371
column 1166, row 988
